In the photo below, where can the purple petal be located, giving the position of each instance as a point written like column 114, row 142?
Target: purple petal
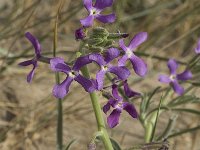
column 87, row 4
column 88, row 21
column 86, row 83
column 115, row 92
column 31, row 73
column 177, row 87
column 129, row 93
column 186, row 75
column 62, row 89
column 58, row 64
column 137, row 40
column 164, row 79
column 113, row 118
column 130, row 109
column 80, row 62
column 122, row 45
column 172, row 65
column 139, row 66
column 26, row 63
column 100, row 79
column 121, row 72
column 106, row 18
column 34, row 42
column 101, row 4
column 106, row 107
column 122, row 61
column 97, row 58
column 111, row 54
column 197, row 49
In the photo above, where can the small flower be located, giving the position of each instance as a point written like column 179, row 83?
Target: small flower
column 94, row 12
column 58, row 65
column 197, row 49
column 33, row 61
column 80, row 33
column 118, row 105
column 138, row 64
column 128, row 91
column 112, row 53
column 174, row 77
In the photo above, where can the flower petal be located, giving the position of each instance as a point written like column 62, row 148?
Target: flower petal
column 97, row 58
column 137, row 40
column 26, row 63
column 164, row 79
column 106, row 18
column 122, row 61
column 113, row 118
column 122, row 45
column 115, row 92
column 34, row 42
column 197, row 49
column 100, row 79
column 62, row 89
column 106, row 107
column 111, row 54
column 88, row 21
column 172, row 65
column 87, row 4
column 186, row 75
column 129, row 93
column 101, row 4
column 80, row 62
column 177, row 87
column 86, row 83
column 58, row 64
column 139, row 65
column 121, row 72
column 31, row 73
column 130, row 109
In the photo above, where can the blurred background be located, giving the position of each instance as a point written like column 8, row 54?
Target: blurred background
column 28, row 111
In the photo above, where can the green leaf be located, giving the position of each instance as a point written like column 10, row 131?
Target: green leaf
column 115, row 144
column 67, row 147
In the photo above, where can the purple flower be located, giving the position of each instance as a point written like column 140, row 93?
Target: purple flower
column 95, row 12
column 80, row 34
column 197, row 49
column 118, row 105
column 174, row 77
column 58, row 65
column 128, row 91
column 121, row 72
column 33, row 61
column 138, row 64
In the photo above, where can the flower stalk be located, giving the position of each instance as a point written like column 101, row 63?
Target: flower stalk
column 98, row 114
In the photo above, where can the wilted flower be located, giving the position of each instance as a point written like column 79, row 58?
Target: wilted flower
column 58, row 65
column 33, row 61
column 118, row 105
column 112, row 53
column 128, row 91
column 95, row 12
column 197, row 49
column 174, row 77
column 138, row 64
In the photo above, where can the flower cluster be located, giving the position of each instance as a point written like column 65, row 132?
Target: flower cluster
column 105, row 60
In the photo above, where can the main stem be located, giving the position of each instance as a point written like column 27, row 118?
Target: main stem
column 98, row 114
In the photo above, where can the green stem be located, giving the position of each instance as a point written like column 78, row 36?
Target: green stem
column 59, row 102
column 98, row 114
